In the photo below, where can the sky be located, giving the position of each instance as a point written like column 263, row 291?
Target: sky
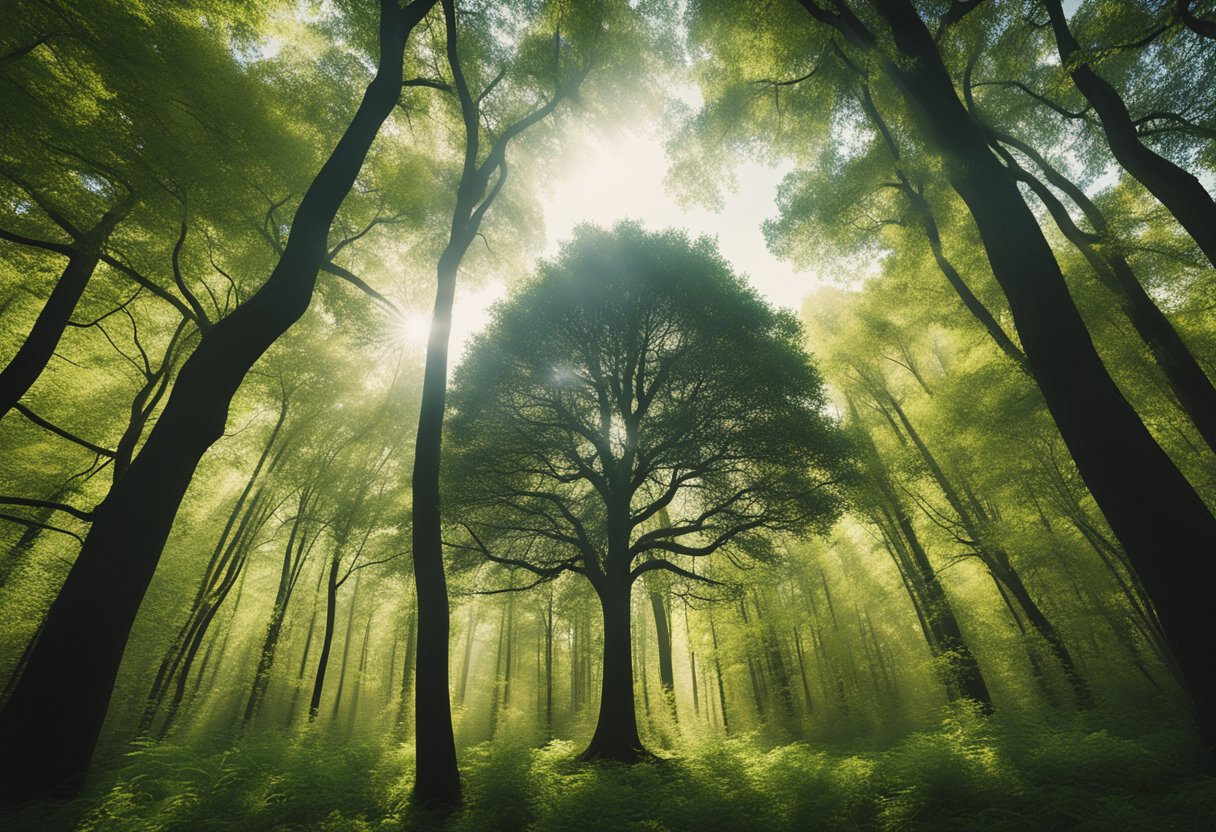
column 620, row 175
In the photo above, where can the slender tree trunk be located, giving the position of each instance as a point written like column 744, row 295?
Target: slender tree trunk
column 359, row 674
column 806, row 685
column 437, row 780
column 496, row 692
column 266, row 658
column 549, row 666
column 327, row 637
column 997, row 561
column 50, row 724
column 346, row 641
column 662, row 628
column 34, row 353
column 713, row 635
column 407, row 676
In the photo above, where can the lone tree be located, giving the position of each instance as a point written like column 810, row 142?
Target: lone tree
column 637, row 407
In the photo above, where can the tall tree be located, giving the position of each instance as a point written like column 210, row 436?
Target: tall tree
column 72, row 668
column 651, row 407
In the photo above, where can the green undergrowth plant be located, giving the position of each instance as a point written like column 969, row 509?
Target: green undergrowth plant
column 970, row 772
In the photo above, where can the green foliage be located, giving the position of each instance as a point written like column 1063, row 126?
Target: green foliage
column 967, row 774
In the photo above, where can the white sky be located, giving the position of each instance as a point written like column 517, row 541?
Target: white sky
column 619, row 174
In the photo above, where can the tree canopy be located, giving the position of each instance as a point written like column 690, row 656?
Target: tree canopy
column 839, row 451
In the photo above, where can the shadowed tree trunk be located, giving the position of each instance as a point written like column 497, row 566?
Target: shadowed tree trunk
column 963, row 675
column 616, row 730
column 407, row 677
column 1178, row 190
column 35, row 351
column 1165, row 528
column 662, row 628
column 50, row 723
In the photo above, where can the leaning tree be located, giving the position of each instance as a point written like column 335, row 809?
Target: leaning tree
column 636, row 407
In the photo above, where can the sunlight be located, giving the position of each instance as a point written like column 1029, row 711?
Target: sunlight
column 410, row 330
column 621, row 176
column 470, row 315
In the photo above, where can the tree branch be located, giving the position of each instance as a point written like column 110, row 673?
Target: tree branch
column 668, row 566
column 58, row 431
column 31, row 503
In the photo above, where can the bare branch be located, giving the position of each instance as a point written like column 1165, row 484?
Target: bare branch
column 668, row 566
column 58, row 431
column 51, row 504
column 12, row 518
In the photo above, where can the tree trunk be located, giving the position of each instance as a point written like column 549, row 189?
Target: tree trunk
column 407, row 677
column 1178, row 190
column 549, row 666
column 346, row 642
column 616, row 731
column 713, row 635
column 662, row 628
column 36, row 350
column 1191, row 387
column 50, row 724
column 1167, row 531
column 437, row 779
column 359, row 674
column 327, row 638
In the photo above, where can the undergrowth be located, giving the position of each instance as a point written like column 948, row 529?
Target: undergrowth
column 970, row 773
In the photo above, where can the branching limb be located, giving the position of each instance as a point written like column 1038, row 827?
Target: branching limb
column 668, row 566
column 1082, row 114
column 58, row 431
column 34, row 524
column 51, row 504
column 354, row 280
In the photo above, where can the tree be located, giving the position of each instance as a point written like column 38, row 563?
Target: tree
column 635, row 375
column 532, row 80
column 72, row 667
column 1114, row 452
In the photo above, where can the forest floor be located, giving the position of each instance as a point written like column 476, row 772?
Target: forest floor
column 968, row 774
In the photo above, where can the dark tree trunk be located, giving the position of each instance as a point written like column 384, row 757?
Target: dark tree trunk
column 692, row 665
column 270, row 644
column 1191, row 387
column 346, row 643
column 437, row 780
column 1167, row 531
column 362, row 669
column 713, row 636
column 50, row 724
column 616, row 731
column 327, row 638
column 996, row 559
column 34, row 353
column 549, row 666
column 1178, row 190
